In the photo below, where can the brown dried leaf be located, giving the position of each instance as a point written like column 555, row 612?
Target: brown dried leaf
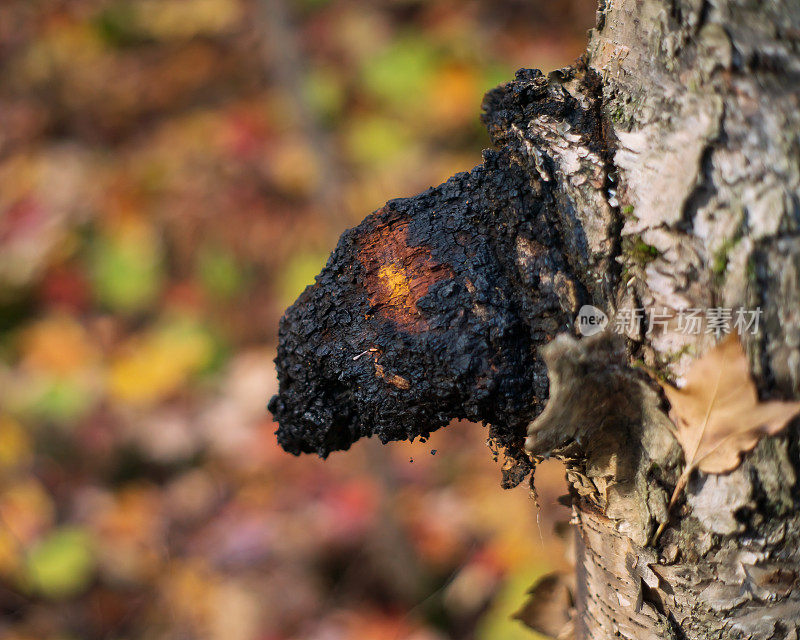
column 717, row 415
column 549, row 607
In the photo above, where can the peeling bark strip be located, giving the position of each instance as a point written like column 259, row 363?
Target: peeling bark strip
column 661, row 172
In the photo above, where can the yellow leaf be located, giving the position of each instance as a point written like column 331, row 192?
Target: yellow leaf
column 15, row 444
column 151, row 367
column 172, row 19
column 717, row 415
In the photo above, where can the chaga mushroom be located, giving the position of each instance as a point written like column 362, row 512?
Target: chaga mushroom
column 433, row 308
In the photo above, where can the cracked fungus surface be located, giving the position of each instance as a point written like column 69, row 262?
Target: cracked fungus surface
column 398, row 274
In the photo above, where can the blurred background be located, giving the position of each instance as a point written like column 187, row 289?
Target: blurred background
column 172, row 174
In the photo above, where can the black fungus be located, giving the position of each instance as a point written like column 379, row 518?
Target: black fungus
column 433, row 308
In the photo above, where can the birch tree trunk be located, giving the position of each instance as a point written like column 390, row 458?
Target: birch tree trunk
column 701, row 112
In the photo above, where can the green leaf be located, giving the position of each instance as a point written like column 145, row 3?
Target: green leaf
column 496, row 74
column 61, row 399
column 324, row 93
column 220, row 273
column 118, row 26
column 401, row 73
column 497, row 622
column 299, row 273
column 126, row 272
column 376, row 140
column 61, row 565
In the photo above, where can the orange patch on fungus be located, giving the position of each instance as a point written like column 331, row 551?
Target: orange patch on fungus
column 398, row 275
column 398, row 381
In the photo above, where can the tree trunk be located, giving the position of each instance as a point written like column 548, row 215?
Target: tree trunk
column 701, row 104
column 660, row 173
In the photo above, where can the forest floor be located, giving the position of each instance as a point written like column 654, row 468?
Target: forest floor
column 172, row 174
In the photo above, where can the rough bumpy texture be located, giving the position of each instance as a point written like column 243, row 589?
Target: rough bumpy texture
column 431, row 309
column 434, row 306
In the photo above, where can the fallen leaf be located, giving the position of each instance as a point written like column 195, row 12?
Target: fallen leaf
column 549, row 605
column 717, row 415
column 61, row 565
column 151, row 366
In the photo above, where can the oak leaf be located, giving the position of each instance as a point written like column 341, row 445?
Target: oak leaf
column 717, row 415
